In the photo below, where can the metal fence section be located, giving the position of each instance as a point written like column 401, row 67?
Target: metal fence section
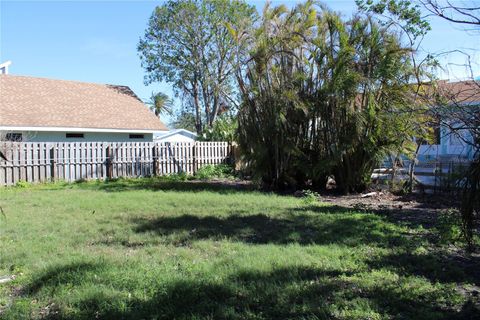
column 435, row 175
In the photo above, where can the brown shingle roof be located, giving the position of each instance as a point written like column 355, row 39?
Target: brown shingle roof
column 39, row 102
column 443, row 93
column 461, row 92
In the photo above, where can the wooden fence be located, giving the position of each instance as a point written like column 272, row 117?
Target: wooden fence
column 41, row 162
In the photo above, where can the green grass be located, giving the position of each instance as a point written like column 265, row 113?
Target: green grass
column 149, row 249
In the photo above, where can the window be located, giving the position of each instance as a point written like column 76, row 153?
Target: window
column 74, row 135
column 456, row 138
column 14, row 137
column 136, row 136
column 435, row 134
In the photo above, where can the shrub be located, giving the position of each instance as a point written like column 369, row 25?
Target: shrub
column 310, row 197
column 174, row 177
column 449, row 226
column 214, row 171
column 23, row 184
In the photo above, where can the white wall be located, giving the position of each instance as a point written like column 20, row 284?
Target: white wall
column 175, row 138
column 45, row 136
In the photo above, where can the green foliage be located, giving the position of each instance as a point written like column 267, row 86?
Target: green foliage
column 415, row 23
column 188, row 44
column 23, row 184
column 183, row 120
column 399, row 187
column 449, row 226
column 310, row 197
column 174, row 177
column 224, row 129
column 405, row 12
column 322, row 96
column 214, row 171
column 470, row 210
column 142, row 249
column 160, row 104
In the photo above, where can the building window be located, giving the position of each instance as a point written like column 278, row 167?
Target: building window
column 136, row 136
column 11, row 136
column 456, row 138
column 435, row 134
column 74, row 135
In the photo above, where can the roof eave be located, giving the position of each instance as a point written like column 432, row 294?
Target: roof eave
column 76, row 129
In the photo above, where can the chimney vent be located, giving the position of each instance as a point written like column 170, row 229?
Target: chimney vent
column 4, row 67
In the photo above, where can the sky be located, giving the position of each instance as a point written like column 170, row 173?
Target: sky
column 96, row 41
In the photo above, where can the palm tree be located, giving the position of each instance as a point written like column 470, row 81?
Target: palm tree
column 160, row 103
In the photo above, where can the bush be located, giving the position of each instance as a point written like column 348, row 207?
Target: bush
column 449, row 226
column 175, row 177
column 214, row 171
column 310, row 197
column 23, row 184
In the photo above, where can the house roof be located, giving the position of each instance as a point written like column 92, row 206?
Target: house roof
column 444, row 92
column 460, row 92
column 182, row 132
column 39, row 102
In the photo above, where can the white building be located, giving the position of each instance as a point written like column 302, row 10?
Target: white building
column 46, row 110
column 459, row 96
column 178, row 135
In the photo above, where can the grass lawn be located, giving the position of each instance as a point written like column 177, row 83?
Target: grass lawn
column 144, row 249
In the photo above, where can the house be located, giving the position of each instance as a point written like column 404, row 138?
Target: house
column 47, row 110
column 462, row 100
column 178, row 135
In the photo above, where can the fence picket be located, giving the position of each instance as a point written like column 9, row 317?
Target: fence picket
column 39, row 162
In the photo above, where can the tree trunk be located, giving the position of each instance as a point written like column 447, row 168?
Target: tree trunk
column 198, row 113
column 411, row 169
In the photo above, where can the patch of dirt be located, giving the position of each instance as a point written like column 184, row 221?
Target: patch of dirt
column 386, row 200
column 413, row 208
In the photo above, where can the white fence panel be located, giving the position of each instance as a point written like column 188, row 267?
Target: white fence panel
column 40, row 162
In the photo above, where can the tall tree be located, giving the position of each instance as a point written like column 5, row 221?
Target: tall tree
column 466, row 13
column 183, row 120
column 188, row 44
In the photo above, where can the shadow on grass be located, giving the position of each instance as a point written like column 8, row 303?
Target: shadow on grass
column 262, row 229
column 156, row 184
column 409, row 217
column 439, row 267
column 60, row 275
column 284, row 293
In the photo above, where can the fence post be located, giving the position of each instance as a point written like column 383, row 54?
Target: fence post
column 194, row 158
column 155, row 163
column 233, row 156
column 109, row 163
column 53, row 168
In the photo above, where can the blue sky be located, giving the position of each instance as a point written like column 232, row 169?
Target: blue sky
column 95, row 41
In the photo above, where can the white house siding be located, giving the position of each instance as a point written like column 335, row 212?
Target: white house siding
column 48, row 136
column 450, row 146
